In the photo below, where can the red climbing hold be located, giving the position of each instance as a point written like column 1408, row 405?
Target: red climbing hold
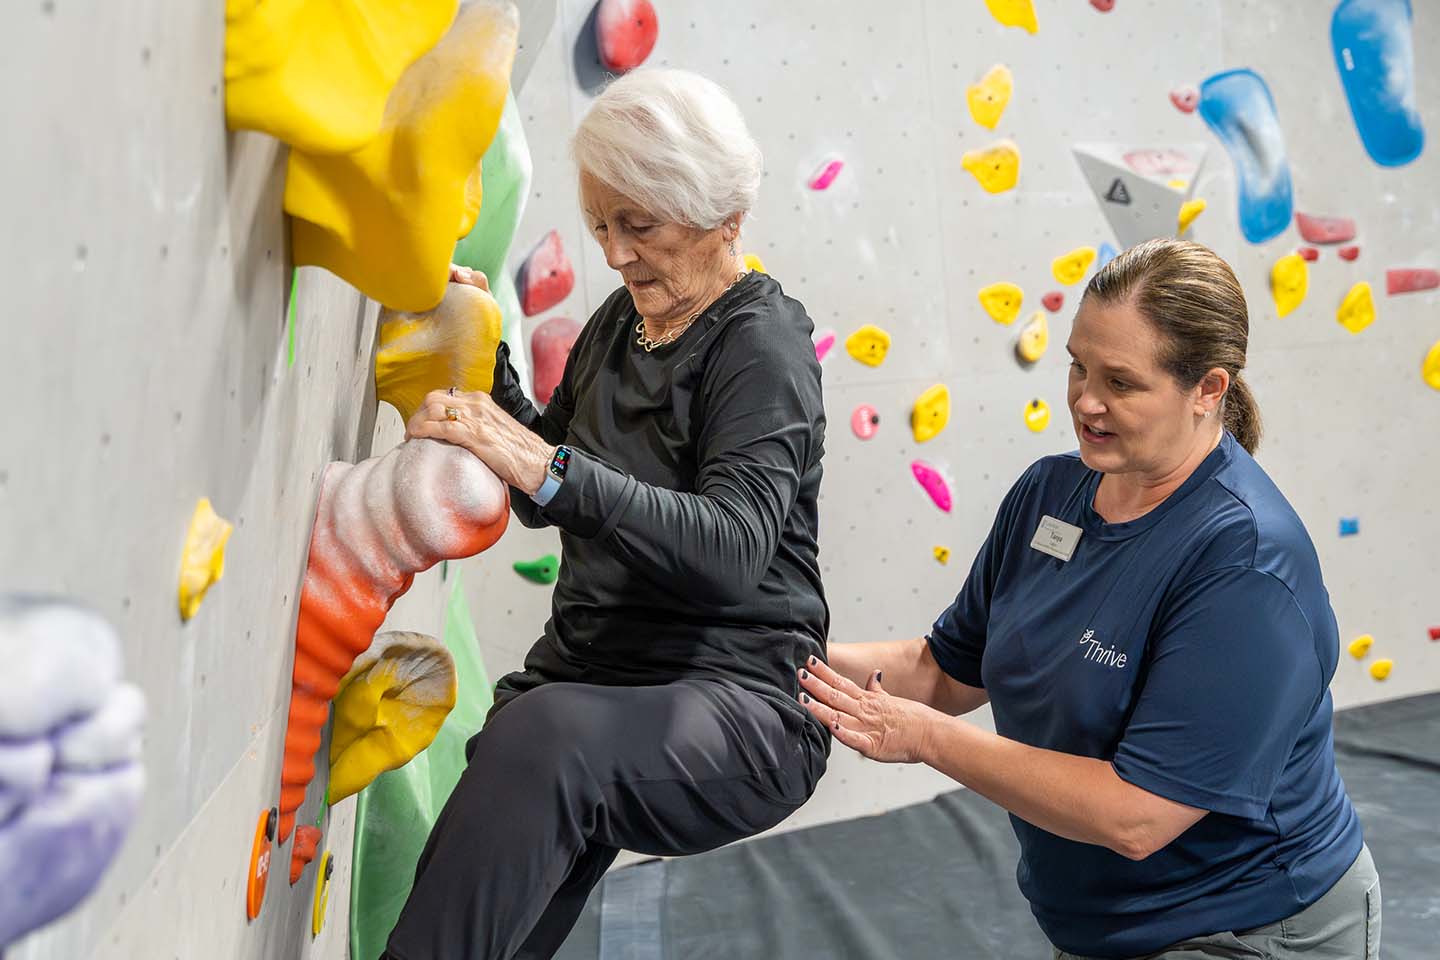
column 1409, row 280
column 1185, row 98
column 1325, row 229
column 549, row 348
column 1435, row 633
column 1104, row 6
column 1348, row 253
column 1053, row 301
column 625, row 32
column 1309, row 253
column 546, row 276
column 307, row 842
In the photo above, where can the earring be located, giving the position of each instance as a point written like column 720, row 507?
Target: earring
column 732, row 248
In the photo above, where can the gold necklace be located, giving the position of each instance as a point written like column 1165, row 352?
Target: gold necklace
column 672, row 336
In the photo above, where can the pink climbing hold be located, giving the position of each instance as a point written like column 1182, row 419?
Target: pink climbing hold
column 549, row 349
column 823, row 343
column 1185, row 98
column 1053, row 301
column 1348, row 253
column 864, row 421
column 625, row 32
column 1104, row 6
column 1409, row 280
column 933, row 483
column 1309, row 254
column 546, row 276
column 826, row 175
column 1325, row 229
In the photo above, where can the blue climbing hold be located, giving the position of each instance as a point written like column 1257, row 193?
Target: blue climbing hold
column 1376, row 59
column 1237, row 105
column 1104, row 256
column 1349, row 526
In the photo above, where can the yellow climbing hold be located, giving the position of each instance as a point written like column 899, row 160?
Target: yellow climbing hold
column 450, row 346
column 1037, row 415
column 202, row 561
column 1070, row 268
column 1289, row 281
column 389, row 707
column 1177, row 184
column 1430, row 366
column 1360, row 646
column 1034, row 338
column 931, row 413
column 1002, row 301
column 869, row 345
column 989, row 97
column 1357, row 310
column 1189, row 210
column 1380, row 669
column 316, row 73
column 997, row 167
column 322, row 893
column 385, row 217
column 753, row 262
column 1014, row 13
column 942, row 554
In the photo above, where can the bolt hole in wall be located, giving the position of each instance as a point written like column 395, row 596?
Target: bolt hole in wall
column 938, row 189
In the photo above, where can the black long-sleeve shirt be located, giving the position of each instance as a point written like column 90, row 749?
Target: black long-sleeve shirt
column 688, row 513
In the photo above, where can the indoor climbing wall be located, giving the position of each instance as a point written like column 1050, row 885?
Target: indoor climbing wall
column 176, row 391
column 885, row 131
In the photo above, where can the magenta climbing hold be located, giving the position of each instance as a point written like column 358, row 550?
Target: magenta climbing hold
column 625, row 32
column 826, row 174
column 1410, row 280
column 546, row 276
column 864, row 421
column 933, row 483
column 549, row 349
column 1104, row 6
column 824, row 341
column 1348, row 253
column 1324, row 229
column 1309, row 254
column 1185, row 98
column 1053, row 301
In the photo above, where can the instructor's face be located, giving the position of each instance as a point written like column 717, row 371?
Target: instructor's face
column 1129, row 414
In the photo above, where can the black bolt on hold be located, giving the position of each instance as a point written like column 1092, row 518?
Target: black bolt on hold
column 270, row 822
column 874, row 419
column 329, row 868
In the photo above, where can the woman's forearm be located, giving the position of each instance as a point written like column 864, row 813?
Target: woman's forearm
column 910, row 671
column 1079, row 798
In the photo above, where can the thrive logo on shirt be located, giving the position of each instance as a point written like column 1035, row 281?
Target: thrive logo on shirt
column 1095, row 650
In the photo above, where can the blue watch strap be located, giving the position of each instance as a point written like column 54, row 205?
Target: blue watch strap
column 554, row 474
column 547, row 489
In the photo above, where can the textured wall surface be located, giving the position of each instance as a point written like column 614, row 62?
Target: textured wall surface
column 904, row 238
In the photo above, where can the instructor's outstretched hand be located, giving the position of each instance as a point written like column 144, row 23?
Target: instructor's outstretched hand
column 870, row 721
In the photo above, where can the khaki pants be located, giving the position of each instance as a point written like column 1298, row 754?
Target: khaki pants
column 1342, row 925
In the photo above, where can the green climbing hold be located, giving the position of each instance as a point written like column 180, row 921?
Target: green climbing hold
column 544, row 570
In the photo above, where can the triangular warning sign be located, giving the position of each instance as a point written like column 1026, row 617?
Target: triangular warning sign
column 1140, row 188
column 1117, row 192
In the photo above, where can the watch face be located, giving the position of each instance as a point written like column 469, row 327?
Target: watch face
column 560, row 461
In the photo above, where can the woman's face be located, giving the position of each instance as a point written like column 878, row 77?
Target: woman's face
column 671, row 269
column 1129, row 414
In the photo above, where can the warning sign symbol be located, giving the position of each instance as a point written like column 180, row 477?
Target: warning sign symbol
column 1117, row 192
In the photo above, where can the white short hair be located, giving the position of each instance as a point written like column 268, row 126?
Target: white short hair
column 673, row 142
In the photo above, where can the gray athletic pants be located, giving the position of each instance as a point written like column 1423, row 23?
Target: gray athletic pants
column 565, row 776
column 1342, row 925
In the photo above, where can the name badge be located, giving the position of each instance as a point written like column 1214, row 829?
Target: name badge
column 1056, row 537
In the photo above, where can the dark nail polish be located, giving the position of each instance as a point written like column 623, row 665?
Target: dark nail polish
column 803, row 675
column 812, row 661
column 877, row 676
column 804, row 698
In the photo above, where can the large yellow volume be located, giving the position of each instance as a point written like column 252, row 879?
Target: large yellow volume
column 386, row 217
column 389, row 707
column 450, row 346
column 316, row 73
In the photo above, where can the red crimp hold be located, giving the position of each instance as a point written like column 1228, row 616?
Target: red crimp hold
column 546, row 276
column 1325, row 229
column 1104, row 6
column 1309, row 254
column 625, row 32
column 307, row 842
column 1186, row 99
column 1053, row 301
column 1435, row 633
column 1348, row 253
column 1410, row 280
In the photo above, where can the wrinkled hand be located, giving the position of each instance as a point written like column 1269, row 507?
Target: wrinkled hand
column 474, row 278
column 870, row 721
column 517, row 456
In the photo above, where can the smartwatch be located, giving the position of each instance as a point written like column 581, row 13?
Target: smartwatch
column 554, row 474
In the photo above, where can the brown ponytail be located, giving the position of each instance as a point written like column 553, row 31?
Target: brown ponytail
column 1192, row 298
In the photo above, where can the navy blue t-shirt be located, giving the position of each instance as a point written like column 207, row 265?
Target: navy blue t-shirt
column 1215, row 602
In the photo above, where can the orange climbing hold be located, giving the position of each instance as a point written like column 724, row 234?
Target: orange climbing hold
column 377, row 524
column 307, row 843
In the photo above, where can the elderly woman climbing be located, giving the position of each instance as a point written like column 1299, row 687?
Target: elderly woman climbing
column 680, row 459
